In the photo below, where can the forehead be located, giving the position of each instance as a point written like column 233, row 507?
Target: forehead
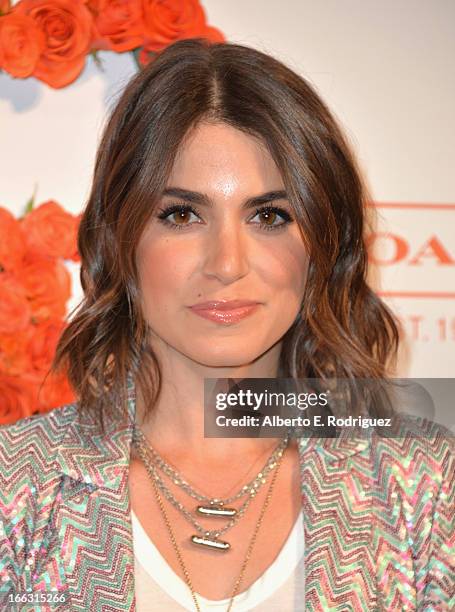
column 217, row 153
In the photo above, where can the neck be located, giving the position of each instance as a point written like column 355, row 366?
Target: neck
column 176, row 422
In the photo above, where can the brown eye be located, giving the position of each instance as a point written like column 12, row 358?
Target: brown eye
column 181, row 216
column 269, row 216
column 273, row 218
column 178, row 216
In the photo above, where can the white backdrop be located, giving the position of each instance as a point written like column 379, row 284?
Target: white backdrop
column 387, row 71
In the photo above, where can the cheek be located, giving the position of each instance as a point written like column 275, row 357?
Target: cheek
column 285, row 266
column 163, row 267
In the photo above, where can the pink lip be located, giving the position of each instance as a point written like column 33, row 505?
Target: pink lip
column 225, row 312
column 223, row 304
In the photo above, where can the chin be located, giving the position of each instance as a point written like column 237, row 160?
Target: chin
column 222, row 355
column 227, row 359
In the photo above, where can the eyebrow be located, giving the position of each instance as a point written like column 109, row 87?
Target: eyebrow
column 202, row 199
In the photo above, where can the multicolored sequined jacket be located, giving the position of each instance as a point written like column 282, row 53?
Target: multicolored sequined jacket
column 378, row 517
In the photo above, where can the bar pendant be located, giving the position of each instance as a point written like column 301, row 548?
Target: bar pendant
column 216, row 511
column 208, row 543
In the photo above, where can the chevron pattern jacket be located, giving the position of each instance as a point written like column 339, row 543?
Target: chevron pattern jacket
column 378, row 517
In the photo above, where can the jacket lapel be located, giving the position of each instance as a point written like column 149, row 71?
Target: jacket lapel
column 336, row 481
column 93, row 520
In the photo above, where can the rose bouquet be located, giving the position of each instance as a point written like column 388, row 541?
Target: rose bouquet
column 50, row 39
column 35, row 286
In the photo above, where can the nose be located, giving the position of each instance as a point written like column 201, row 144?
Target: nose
column 226, row 257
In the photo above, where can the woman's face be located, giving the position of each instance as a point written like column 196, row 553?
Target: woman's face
column 219, row 245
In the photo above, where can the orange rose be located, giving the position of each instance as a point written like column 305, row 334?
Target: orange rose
column 147, row 54
column 17, row 398
column 15, row 310
column 14, row 356
column 51, row 231
column 75, row 256
column 5, row 6
column 166, row 21
column 42, row 343
column 47, row 285
column 213, row 34
column 21, row 44
column 118, row 23
column 67, row 26
column 12, row 241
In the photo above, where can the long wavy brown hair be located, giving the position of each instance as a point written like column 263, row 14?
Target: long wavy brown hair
column 344, row 329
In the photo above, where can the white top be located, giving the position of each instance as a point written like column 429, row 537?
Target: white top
column 159, row 588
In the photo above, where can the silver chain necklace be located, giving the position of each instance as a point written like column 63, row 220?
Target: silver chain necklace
column 216, row 506
column 183, row 484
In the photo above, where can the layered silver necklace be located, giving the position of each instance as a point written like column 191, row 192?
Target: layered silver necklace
column 208, row 507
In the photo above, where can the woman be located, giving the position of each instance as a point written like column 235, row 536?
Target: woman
column 223, row 238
